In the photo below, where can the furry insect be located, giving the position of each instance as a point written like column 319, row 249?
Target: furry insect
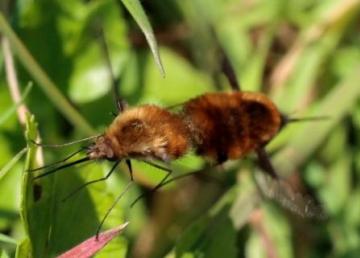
column 218, row 126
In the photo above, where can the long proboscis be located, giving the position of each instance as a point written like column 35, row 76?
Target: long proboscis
column 62, row 167
column 63, row 144
column 57, row 162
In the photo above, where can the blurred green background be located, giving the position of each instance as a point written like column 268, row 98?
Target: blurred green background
column 305, row 55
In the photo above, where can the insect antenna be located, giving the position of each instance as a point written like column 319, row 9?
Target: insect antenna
column 92, row 182
column 62, row 167
column 57, row 162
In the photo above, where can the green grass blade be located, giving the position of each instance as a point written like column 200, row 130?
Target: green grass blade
column 46, row 84
column 8, row 113
column 4, row 239
column 7, row 243
column 11, row 163
column 135, row 9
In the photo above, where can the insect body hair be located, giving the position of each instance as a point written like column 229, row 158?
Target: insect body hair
column 219, row 126
column 148, row 131
column 230, row 125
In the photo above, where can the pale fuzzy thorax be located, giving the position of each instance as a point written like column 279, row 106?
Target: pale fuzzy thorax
column 148, row 132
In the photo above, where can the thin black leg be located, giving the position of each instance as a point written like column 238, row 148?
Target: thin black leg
column 111, row 208
column 160, row 184
column 93, row 181
column 265, row 163
column 228, row 71
column 128, row 163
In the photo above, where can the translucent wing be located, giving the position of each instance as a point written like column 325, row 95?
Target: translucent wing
column 281, row 191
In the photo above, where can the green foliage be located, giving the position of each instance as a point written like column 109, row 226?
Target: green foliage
column 303, row 54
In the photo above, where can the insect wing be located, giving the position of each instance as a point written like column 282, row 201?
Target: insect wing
column 282, row 192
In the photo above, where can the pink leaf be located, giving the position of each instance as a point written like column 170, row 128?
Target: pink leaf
column 92, row 245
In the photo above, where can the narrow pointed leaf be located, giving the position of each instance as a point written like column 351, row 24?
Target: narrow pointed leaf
column 135, row 9
column 92, row 245
column 8, row 113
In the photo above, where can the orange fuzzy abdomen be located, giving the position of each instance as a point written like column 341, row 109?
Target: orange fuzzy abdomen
column 230, row 125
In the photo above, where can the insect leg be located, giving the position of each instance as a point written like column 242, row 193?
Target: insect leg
column 265, row 163
column 128, row 163
column 160, row 184
column 156, row 165
column 228, row 70
column 193, row 173
column 112, row 207
column 92, row 182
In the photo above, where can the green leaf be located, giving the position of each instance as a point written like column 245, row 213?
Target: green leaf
column 135, row 9
column 174, row 88
column 26, row 193
column 90, row 76
column 4, row 239
column 336, row 191
column 10, row 178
